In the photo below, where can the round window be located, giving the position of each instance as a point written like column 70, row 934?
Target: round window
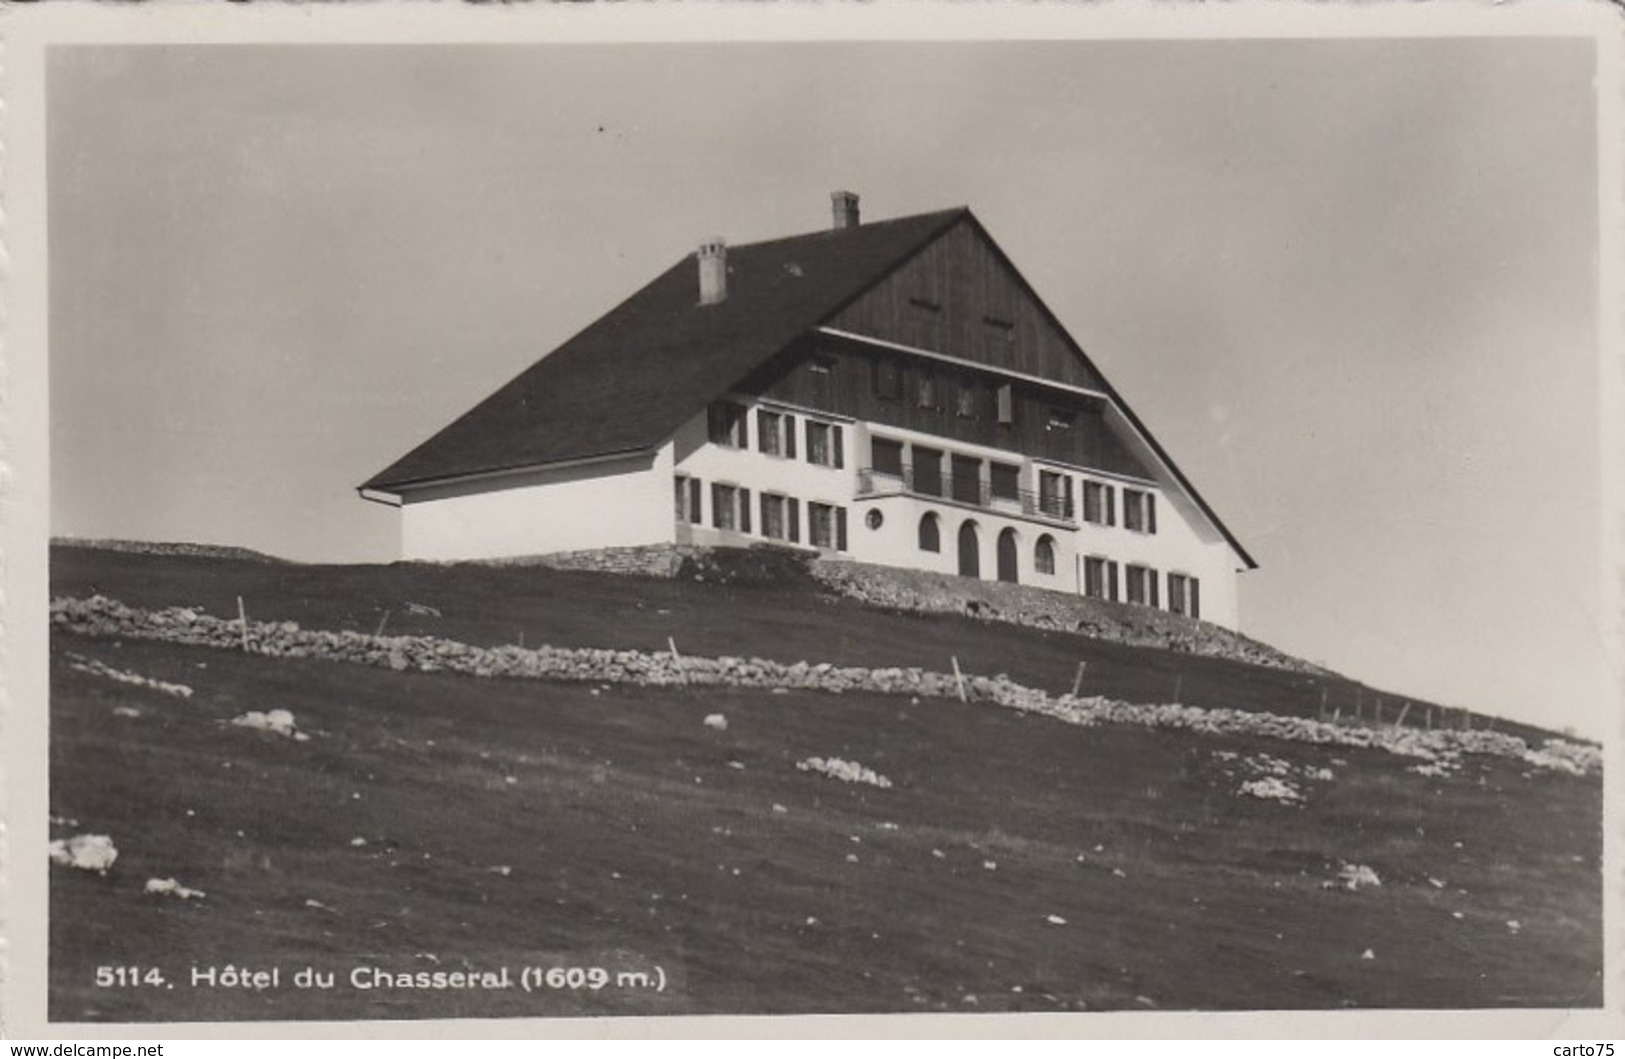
column 874, row 519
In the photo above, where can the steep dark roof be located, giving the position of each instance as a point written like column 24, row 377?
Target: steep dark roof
column 641, row 370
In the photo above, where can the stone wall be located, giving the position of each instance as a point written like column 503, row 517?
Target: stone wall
column 102, row 617
column 920, row 592
column 916, row 591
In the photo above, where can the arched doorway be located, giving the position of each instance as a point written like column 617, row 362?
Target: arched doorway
column 1007, row 556
column 970, row 550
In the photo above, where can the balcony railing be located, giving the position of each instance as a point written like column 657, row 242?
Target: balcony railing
column 973, row 491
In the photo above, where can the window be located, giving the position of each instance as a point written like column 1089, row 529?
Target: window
column 1138, row 577
column 927, row 471
column 930, row 533
column 687, row 496
column 1139, row 511
column 824, row 444
column 1044, row 555
column 1100, row 578
column 886, row 456
column 927, row 394
column 967, row 479
column 820, row 370
column 1060, row 419
column 1099, row 503
column 725, row 423
column 999, row 323
column 773, row 517
column 724, row 501
column 875, row 518
column 1007, row 406
column 966, row 400
column 1185, row 595
column 769, row 432
column 888, row 379
column 1094, row 577
column 1005, row 480
column 826, row 526
column 1055, row 494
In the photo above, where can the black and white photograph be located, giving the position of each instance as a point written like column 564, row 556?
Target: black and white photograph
column 945, row 522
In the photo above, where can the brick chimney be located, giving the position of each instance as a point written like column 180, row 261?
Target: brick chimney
column 713, row 258
column 845, row 205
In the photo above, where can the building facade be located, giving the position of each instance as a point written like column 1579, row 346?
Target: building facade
column 891, row 393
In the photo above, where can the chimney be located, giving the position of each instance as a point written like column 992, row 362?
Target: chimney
column 713, row 258
column 845, row 205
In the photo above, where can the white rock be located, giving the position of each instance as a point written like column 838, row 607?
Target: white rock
column 716, row 721
column 172, row 889
column 278, row 721
column 87, row 852
column 1055, row 919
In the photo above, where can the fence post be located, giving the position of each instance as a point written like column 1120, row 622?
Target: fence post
column 1077, row 681
column 242, row 619
column 959, row 678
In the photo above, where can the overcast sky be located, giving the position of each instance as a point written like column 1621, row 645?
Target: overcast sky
column 1350, row 285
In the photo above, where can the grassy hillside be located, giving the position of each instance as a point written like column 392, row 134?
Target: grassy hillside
column 786, row 620
column 435, row 822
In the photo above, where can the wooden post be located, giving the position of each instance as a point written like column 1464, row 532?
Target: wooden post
column 1430, row 718
column 1077, row 681
column 1403, row 710
column 676, row 659
column 242, row 619
column 1376, row 711
column 1466, row 719
column 959, row 678
column 1322, row 714
column 1179, row 688
column 381, row 622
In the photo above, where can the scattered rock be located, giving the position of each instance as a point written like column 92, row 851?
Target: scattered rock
column 171, row 888
column 86, row 852
column 845, row 771
column 716, row 721
column 277, row 721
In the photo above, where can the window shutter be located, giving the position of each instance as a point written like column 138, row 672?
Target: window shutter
column 1007, row 406
column 1150, row 512
column 1151, row 578
column 1196, row 598
column 793, row 517
column 766, row 522
column 835, row 441
column 1111, row 582
column 790, row 436
column 744, row 511
column 840, row 528
column 1111, row 505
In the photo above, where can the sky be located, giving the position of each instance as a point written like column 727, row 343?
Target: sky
column 1351, row 285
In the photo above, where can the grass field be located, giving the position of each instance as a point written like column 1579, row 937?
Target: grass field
column 442, row 823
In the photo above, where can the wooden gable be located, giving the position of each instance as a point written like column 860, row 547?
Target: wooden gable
column 960, row 296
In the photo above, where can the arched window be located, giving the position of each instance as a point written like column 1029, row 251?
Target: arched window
column 930, row 533
column 1007, row 556
column 1044, row 555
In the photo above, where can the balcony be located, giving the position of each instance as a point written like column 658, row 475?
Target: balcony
column 972, row 492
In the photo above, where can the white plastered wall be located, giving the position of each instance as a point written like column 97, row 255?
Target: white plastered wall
column 601, row 504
